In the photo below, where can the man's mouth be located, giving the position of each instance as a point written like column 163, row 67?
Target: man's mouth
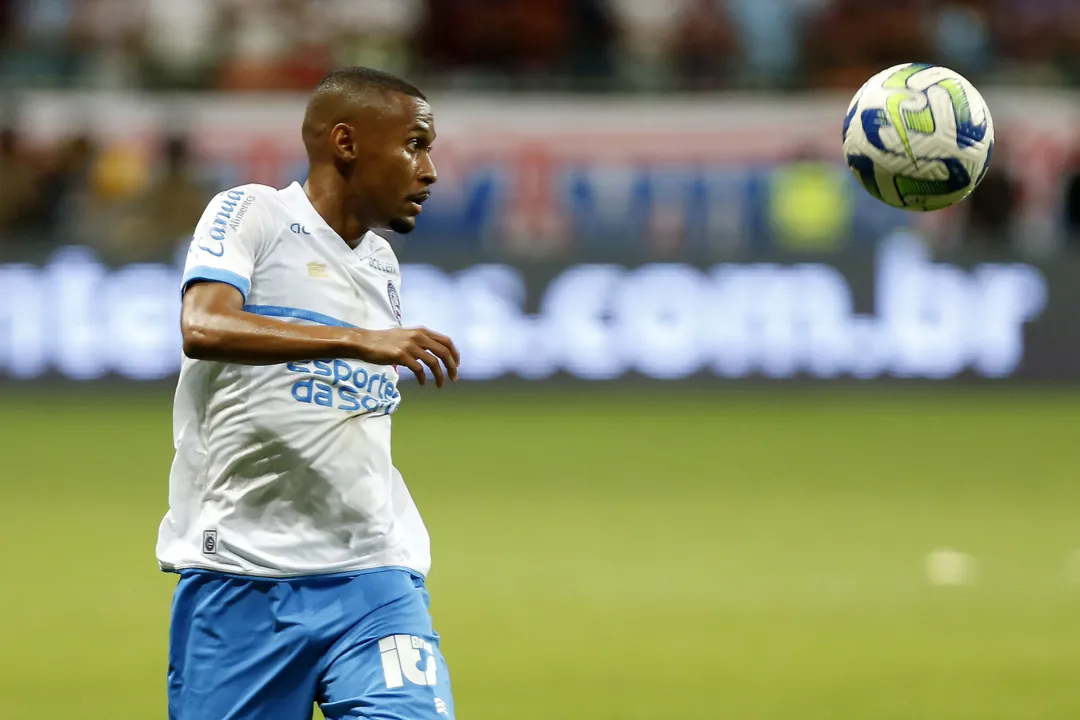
column 418, row 200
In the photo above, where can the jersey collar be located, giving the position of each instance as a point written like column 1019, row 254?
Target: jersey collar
column 299, row 203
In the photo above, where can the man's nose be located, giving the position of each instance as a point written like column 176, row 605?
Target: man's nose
column 428, row 175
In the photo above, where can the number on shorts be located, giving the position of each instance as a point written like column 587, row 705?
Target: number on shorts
column 402, row 656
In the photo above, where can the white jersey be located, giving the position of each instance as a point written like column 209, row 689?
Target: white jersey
column 285, row 470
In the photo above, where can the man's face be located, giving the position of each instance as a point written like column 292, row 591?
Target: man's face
column 393, row 171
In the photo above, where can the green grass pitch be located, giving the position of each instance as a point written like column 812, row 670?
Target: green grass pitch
column 616, row 556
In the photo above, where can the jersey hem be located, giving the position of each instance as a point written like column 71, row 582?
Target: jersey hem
column 177, row 569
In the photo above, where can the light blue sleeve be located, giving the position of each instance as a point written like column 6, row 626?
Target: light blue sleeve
column 226, row 241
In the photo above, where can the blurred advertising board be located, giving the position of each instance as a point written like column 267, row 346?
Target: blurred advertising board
column 536, row 175
column 893, row 313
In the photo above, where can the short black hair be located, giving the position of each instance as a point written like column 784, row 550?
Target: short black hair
column 362, row 79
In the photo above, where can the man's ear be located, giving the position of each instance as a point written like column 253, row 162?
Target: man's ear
column 343, row 140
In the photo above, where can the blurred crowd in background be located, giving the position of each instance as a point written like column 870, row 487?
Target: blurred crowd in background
column 80, row 192
column 566, row 44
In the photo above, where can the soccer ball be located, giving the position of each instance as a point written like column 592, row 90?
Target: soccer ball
column 918, row 137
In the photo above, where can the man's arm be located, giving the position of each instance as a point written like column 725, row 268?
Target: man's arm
column 215, row 327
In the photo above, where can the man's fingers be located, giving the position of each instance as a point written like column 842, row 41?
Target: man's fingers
column 424, row 350
column 444, row 353
column 446, row 342
column 436, row 369
column 417, row 369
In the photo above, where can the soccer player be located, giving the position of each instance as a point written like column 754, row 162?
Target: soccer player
column 302, row 557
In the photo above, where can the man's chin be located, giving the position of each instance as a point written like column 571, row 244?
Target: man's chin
column 403, row 225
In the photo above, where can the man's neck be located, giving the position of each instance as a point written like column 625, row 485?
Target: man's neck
column 329, row 200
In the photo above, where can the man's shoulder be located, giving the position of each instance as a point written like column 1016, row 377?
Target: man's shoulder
column 251, row 207
column 265, row 197
column 240, row 192
column 254, row 189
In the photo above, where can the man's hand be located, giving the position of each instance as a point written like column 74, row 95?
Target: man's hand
column 412, row 348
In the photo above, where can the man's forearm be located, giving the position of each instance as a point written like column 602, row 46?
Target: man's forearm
column 249, row 339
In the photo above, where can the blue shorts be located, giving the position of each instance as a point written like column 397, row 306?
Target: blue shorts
column 360, row 645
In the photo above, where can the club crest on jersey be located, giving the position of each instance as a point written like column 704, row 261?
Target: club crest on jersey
column 395, row 300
